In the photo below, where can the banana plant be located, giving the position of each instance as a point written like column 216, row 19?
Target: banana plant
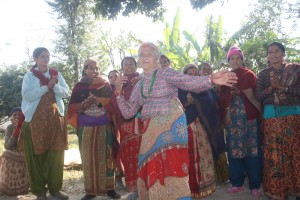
column 171, row 46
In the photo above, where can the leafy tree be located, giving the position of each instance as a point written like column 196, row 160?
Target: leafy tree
column 191, row 52
column 199, row 4
column 11, row 78
column 154, row 8
column 82, row 36
column 293, row 10
column 75, row 22
column 263, row 26
column 212, row 50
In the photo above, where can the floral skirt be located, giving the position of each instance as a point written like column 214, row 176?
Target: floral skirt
column 282, row 157
column 13, row 173
column 202, row 180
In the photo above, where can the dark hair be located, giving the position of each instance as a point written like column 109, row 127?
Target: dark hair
column 112, row 72
column 165, row 57
column 38, row 51
column 281, row 46
column 16, row 109
column 128, row 57
column 190, row 66
column 204, row 64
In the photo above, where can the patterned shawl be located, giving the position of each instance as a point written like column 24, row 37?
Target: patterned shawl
column 43, row 79
column 290, row 77
column 98, row 86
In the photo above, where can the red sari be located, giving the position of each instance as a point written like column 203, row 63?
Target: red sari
column 130, row 139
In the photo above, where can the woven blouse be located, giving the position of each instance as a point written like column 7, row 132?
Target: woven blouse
column 165, row 87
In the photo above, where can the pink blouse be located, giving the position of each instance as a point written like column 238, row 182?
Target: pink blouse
column 164, row 89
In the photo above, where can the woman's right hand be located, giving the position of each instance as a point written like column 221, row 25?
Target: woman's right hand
column 119, row 84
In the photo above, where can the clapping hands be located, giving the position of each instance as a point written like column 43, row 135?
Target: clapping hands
column 52, row 82
column 89, row 101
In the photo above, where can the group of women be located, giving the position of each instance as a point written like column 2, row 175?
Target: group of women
column 261, row 120
column 165, row 129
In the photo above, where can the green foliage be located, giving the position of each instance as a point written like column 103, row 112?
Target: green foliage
column 73, row 23
column 175, row 39
column 82, row 36
column 72, row 141
column 199, row 4
column 153, row 9
column 255, row 50
column 293, row 11
column 212, row 50
column 11, row 78
column 171, row 46
column 111, row 9
column 262, row 27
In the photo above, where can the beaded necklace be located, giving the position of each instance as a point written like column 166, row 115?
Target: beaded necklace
column 151, row 85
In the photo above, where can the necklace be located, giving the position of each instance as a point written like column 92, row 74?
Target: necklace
column 151, row 85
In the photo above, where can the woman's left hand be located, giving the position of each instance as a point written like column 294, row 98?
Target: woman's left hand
column 224, row 77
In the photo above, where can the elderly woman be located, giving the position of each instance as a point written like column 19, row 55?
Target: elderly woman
column 278, row 87
column 240, row 112
column 163, row 161
column 89, row 108
column 202, row 179
column 44, row 131
column 130, row 139
column 13, row 172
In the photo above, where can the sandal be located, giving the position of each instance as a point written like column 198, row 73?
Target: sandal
column 113, row 195
column 255, row 193
column 88, row 197
column 235, row 189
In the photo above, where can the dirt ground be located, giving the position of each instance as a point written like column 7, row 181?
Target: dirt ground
column 220, row 194
column 75, row 191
